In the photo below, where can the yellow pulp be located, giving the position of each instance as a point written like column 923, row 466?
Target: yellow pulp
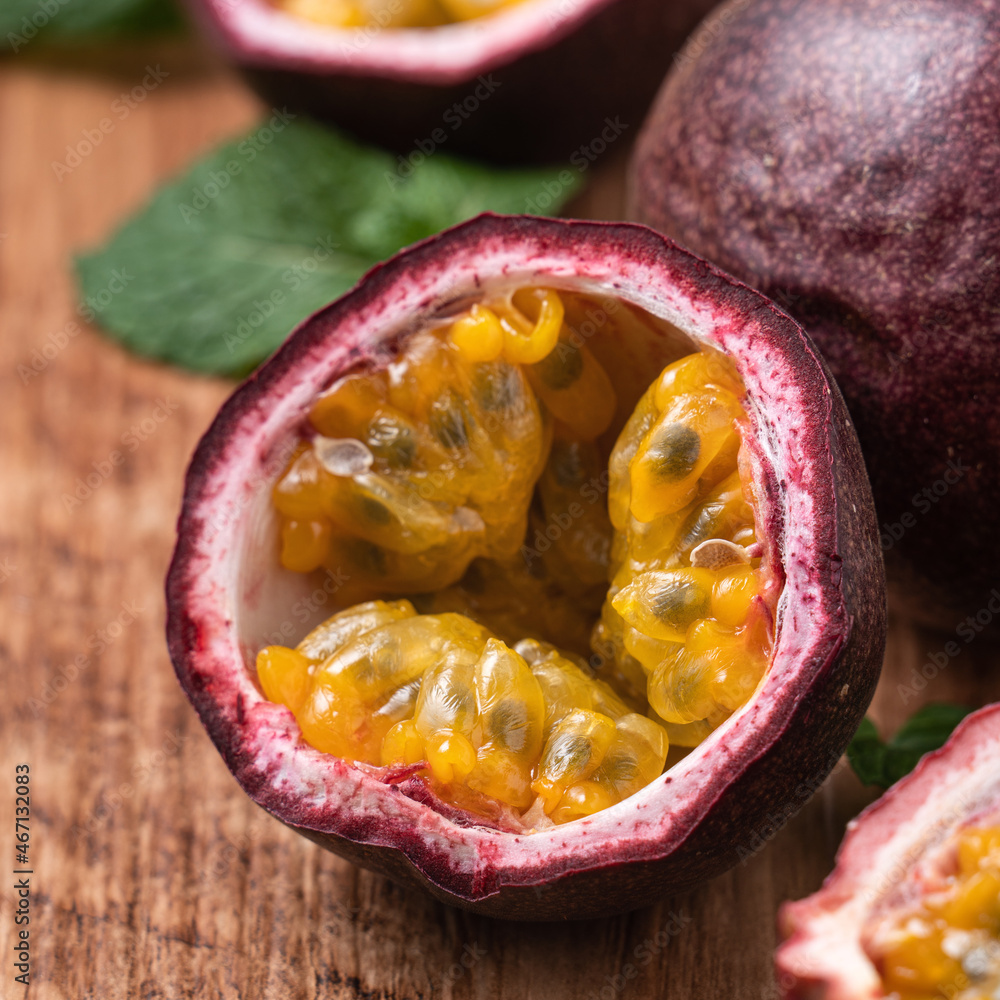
column 378, row 14
column 949, row 946
column 682, row 622
column 420, row 468
column 381, row 684
column 470, row 476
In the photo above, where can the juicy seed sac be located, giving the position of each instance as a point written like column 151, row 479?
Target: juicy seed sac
column 949, row 944
column 474, row 479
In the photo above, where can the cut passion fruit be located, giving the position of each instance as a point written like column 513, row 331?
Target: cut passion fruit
column 461, row 474
column 912, row 909
column 515, row 82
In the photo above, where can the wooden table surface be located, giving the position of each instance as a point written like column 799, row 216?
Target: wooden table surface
column 153, row 875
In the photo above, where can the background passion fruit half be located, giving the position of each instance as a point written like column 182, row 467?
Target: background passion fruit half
column 229, row 597
column 536, row 80
column 912, row 908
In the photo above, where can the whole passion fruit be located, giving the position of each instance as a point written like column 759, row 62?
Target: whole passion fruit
column 538, row 508
column 845, row 159
column 538, row 80
column 912, row 908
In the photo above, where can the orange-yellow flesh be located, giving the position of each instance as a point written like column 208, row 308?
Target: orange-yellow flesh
column 380, row 14
column 515, row 602
column 683, row 622
column 948, row 945
column 470, row 476
column 418, row 470
column 524, row 726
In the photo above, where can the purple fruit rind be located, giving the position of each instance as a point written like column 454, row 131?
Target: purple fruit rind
column 555, row 71
column 845, row 160
column 823, row 955
column 818, row 525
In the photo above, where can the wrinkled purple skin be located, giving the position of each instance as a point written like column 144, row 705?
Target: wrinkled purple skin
column 744, row 781
column 844, row 157
column 540, row 105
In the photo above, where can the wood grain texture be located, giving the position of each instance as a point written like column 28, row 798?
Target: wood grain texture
column 155, row 877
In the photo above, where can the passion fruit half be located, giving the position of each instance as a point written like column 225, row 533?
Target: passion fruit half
column 390, row 659
column 539, row 80
column 845, row 160
column 912, row 908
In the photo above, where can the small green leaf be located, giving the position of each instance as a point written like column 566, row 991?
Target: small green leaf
column 878, row 763
column 923, row 732
column 25, row 22
column 224, row 262
column 866, row 753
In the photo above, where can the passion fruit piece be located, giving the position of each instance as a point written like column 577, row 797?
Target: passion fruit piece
column 535, row 80
column 912, row 908
column 878, row 229
column 227, row 598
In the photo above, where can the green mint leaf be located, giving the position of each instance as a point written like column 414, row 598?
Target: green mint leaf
column 883, row 763
column 866, row 753
column 24, row 23
column 923, row 732
column 215, row 272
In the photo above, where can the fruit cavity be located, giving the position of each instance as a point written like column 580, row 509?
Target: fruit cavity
column 423, row 481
